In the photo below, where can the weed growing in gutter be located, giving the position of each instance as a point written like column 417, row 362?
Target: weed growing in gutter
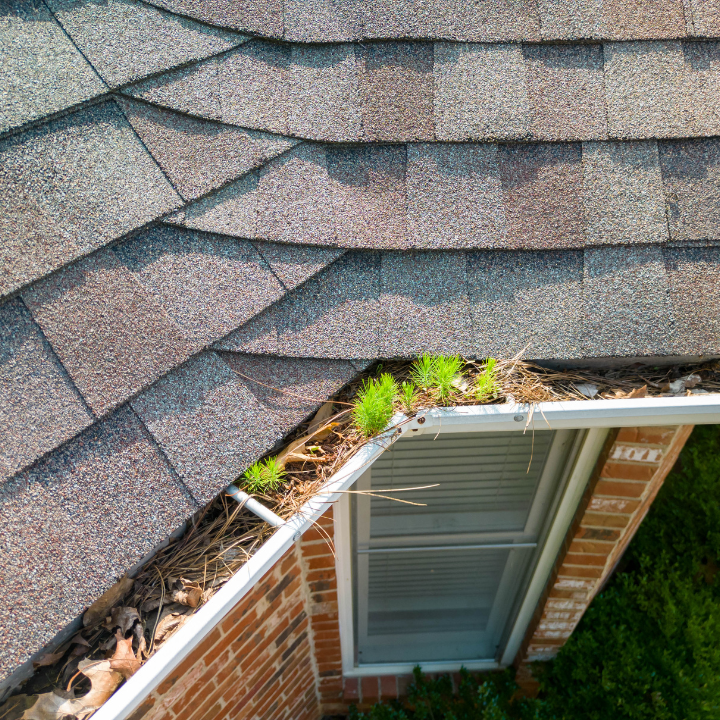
column 264, row 476
column 373, row 406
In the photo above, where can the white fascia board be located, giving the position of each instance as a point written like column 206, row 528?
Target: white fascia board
column 697, row 409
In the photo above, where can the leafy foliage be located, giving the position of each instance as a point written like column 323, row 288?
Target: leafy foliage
column 373, row 406
column 423, row 371
column 438, row 372
column 264, row 476
column 486, row 385
column 408, row 396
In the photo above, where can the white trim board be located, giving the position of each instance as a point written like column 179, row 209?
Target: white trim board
column 699, row 409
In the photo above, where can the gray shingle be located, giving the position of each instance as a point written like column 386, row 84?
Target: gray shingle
column 193, row 90
column 199, row 156
column 543, row 195
column 694, row 279
column 396, row 90
column 260, row 335
column 703, row 63
column 253, row 86
column 232, row 210
column 454, row 196
column 107, row 331
column 70, row 187
column 639, row 19
column 324, row 93
column 39, row 406
column 322, row 20
column 691, row 177
column 208, row 423
column 571, row 19
column 291, row 388
column 207, row 285
column 706, row 17
column 623, row 193
column 41, row 70
column 126, row 39
column 75, row 522
column 626, row 303
column 529, row 302
column 480, row 92
column 264, row 17
column 294, row 198
column 424, row 304
column 294, row 264
column 369, row 195
column 566, row 91
column 650, row 76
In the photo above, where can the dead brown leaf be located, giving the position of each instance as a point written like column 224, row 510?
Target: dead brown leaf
column 168, row 625
column 46, row 707
column 98, row 611
column 640, row 392
column 321, row 416
column 122, row 617
column 124, row 660
column 295, row 451
column 189, row 596
column 47, row 659
column 104, row 681
column 16, row 706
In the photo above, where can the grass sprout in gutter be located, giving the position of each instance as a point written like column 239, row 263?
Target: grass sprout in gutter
column 263, row 476
column 373, row 406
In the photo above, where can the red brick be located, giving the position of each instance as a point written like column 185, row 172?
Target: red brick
column 369, row 688
column 580, row 572
column 289, row 561
column 320, row 549
column 403, row 683
column 627, row 471
column 593, row 547
column 143, row 709
column 388, row 687
column 586, row 560
column 351, row 689
column 613, row 505
column 605, row 534
column 592, row 519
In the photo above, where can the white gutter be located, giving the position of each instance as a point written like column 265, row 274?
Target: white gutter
column 264, row 513
column 699, row 409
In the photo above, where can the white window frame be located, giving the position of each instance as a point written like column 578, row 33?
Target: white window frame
column 595, row 417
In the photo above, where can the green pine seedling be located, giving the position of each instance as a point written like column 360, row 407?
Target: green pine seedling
column 486, row 385
column 264, row 476
column 423, row 371
column 373, row 406
column 446, row 371
column 408, row 396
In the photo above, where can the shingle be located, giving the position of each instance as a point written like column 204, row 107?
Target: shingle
column 208, row 423
column 291, row 388
column 480, row 92
column 193, row 90
column 529, row 302
column 39, row 406
column 691, row 177
column 333, row 315
column 232, row 210
column 253, row 86
column 694, row 279
column 369, row 195
column 294, row 264
column 396, row 91
column 703, row 63
column 70, row 187
column 324, row 93
column 626, row 303
column 623, row 193
column 294, row 198
column 706, row 17
column 108, row 333
column 199, row 156
column 208, row 285
column 264, row 17
column 566, row 91
column 322, row 20
column 75, row 522
column 126, row 39
column 646, row 90
column 454, row 196
column 424, row 304
column 41, row 70
column 571, row 19
column 543, row 195
column 639, row 19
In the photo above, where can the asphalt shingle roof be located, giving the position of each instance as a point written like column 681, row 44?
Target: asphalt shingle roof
column 363, row 180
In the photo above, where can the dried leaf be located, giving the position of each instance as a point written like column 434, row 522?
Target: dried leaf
column 122, row 617
column 79, row 640
column 295, row 451
column 168, row 625
column 189, row 596
column 97, row 612
column 104, row 681
column 16, row 706
column 124, row 660
column 638, row 392
column 47, row 659
column 46, row 707
column 589, row 390
column 320, row 417
column 150, row 605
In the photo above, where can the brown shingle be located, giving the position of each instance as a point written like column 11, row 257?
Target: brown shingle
column 566, row 91
column 322, row 20
column 396, row 90
column 640, row 19
column 691, row 176
column 454, row 196
column 197, row 155
column 703, row 63
column 369, row 200
column 706, row 17
column 480, row 92
column 543, row 190
column 571, row 19
column 110, row 336
column 39, row 406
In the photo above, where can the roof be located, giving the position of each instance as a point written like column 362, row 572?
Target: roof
column 203, row 202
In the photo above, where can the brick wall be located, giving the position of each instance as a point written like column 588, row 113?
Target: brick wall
column 629, row 473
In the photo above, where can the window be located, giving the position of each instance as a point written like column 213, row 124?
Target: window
column 442, row 581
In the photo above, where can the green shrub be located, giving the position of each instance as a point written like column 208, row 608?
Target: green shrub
column 263, row 476
column 373, row 406
column 437, row 372
column 423, row 371
column 486, row 384
column 408, row 396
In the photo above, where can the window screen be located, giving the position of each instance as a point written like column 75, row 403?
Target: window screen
column 438, row 582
